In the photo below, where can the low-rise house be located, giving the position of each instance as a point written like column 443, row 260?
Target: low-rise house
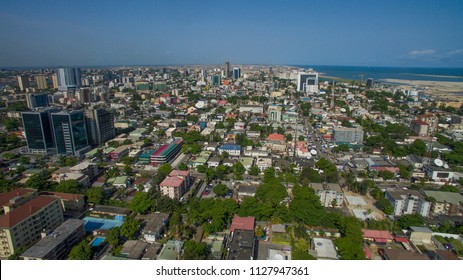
column 155, row 225
column 171, row 250
column 438, row 173
column 323, row 249
column 246, row 191
column 231, row 149
column 121, row 182
column 119, row 152
column 420, row 235
column 446, row 203
column 261, row 152
column 134, row 249
column 214, row 162
column 263, row 163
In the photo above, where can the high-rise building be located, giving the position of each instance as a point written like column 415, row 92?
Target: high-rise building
column 369, row 83
column 70, row 132
column 274, row 114
column 307, row 82
column 37, row 100
column 41, row 81
column 54, row 79
column 100, row 126
column 39, row 131
column 68, row 78
column 216, row 80
column 226, row 70
column 23, row 82
column 236, row 73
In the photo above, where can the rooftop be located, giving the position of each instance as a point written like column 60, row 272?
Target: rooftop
column 244, row 223
column 64, row 196
column 154, row 222
column 450, row 197
column 230, row 147
column 399, row 254
column 276, row 137
column 24, row 211
column 325, row 248
column 19, row 192
column 42, row 248
column 242, row 245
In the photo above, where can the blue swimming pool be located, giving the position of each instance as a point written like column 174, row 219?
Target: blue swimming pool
column 97, row 241
column 92, row 223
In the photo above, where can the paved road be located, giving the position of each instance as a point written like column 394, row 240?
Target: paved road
column 182, row 157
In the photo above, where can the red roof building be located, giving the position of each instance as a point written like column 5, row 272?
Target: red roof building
column 379, row 236
column 276, row 137
column 244, row 223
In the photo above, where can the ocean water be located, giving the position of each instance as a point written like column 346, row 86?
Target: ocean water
column 381, row 73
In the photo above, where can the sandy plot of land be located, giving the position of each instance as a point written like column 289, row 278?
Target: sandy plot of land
column 430, row 87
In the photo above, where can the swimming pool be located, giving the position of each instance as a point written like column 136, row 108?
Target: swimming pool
column 97, row 241
column 92, row 223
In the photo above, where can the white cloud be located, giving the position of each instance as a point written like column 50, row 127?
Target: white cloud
column 455, row 52
column 422, row 52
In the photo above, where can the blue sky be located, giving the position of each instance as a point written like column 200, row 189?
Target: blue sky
column 370, row 33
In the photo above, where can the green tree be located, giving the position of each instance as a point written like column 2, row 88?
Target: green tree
column 17, row 253
column 220, row 190
column 130, row 228
column 183, row 166
column 289, row 137
column 254, row 170
column 238, row 169
column 386, row 175
column 406, row 221
column 141, row 203
column 195, row 250
column 113, row 236
column 81, row 251
column 417, row 148
column 95, row 195
column 201, row 168
column 68, row 186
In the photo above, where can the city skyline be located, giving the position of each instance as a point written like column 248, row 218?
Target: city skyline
column 359, row 33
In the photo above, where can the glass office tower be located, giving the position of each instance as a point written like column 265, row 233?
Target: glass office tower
column 38, row 130
column 70, row 132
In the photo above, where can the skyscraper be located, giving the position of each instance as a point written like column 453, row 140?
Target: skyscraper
column 54, row 78
column 23, row 82
column 370, row 83
column 41, row 81
column 226, row 70
column 307, row 82
column 100, row 126
column 236, row 73
column 70, row 132
column 68, row 78
column 39, row 132
column 37, row 100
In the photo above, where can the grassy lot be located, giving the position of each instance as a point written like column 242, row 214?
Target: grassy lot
column 455, row 243
column 281, row 238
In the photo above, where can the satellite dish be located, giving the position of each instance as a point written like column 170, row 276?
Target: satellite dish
column 446, row 166
column 313, row 152
column 438, row 162
column 343, row 110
